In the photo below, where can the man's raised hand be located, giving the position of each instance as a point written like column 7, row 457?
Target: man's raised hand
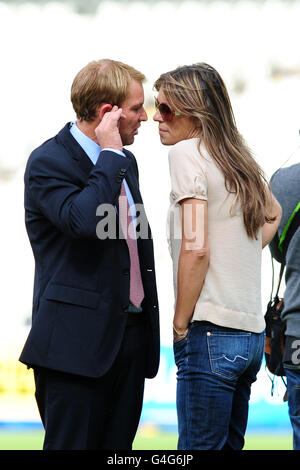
column 107, row 132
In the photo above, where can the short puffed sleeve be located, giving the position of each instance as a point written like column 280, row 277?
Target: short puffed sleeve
column 187, row 171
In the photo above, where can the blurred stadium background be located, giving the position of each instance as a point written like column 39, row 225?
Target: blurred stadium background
column 255, row 47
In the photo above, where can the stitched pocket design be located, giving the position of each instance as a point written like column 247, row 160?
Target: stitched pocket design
column 228, row 353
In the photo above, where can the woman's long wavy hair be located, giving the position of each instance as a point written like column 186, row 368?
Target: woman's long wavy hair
column 198, row 91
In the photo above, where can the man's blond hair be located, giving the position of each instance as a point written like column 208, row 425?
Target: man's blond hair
column 102, row 81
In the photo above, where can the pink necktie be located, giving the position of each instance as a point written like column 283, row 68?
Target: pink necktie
column 136, row 294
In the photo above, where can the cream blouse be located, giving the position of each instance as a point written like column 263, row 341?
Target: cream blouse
column 231, row 294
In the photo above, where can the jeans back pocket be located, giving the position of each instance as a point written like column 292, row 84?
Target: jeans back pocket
column 228, row 352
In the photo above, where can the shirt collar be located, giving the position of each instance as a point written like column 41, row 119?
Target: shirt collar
column 91, row 148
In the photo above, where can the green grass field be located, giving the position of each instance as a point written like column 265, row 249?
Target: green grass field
column 32, row 440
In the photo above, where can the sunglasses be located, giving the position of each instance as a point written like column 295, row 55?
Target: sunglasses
column 166, row 112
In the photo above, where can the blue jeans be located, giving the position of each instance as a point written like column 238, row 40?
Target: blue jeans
column 216, row 367
column 293, row 389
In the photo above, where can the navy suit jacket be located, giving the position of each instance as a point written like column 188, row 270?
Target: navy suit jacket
column 81, row 287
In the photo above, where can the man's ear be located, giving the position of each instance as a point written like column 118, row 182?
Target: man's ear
column 102, row 109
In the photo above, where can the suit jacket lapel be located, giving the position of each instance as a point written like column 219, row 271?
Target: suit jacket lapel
column 75, row 150
column 132, row 182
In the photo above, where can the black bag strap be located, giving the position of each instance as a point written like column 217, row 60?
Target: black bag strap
column 282, row 266
column 280, row 277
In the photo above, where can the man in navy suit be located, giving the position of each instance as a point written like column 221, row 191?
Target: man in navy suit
column 95, row 327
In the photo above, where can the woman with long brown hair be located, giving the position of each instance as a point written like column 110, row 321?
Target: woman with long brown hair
column 222, row 214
